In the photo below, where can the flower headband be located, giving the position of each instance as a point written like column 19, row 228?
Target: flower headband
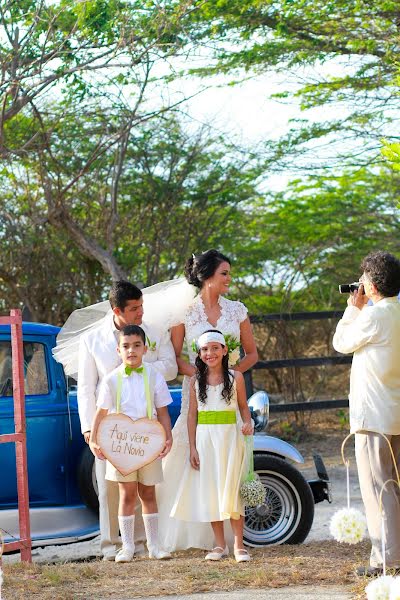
column 210, row 336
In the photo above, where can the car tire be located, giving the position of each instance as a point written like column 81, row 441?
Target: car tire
column 287, row 515
column 87, row 481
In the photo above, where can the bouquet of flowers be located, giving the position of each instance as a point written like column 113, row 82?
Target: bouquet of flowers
column 252, row 490
column 383, row 588
column 233, row 346
column 348, row 525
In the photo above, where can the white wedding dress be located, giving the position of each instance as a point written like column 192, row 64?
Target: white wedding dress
column 175, row 534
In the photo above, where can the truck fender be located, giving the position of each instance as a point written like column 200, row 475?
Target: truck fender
column 272, row 445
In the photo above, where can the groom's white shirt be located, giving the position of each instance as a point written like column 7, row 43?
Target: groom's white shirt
column 98, row 356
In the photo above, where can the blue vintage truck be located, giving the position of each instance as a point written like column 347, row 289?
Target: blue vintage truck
column 62, row 485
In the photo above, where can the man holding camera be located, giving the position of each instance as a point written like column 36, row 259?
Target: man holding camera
column 373, row 334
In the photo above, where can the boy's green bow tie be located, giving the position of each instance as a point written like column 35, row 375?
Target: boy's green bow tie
column 129, row 370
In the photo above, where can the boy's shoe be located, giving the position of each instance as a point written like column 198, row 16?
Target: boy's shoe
column 217, row 553
column 124, row 555
column 241, row 555
column 159, row 554
column 109, row 556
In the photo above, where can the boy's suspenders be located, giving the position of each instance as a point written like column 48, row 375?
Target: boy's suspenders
column 146, row 392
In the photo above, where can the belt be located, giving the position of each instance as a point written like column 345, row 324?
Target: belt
column 216, row 417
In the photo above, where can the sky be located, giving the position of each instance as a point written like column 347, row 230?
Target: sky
column 247, row 113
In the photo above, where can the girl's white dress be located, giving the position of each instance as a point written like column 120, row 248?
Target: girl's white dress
column 175, row 534
column 213, row 492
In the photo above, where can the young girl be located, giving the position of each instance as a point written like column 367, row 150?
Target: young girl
column 210, row 486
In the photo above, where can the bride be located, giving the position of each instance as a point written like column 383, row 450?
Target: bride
column 210, row 273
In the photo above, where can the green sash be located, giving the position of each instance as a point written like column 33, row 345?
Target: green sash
column 216, row 417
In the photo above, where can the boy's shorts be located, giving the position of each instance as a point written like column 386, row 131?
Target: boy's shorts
column 148, row 475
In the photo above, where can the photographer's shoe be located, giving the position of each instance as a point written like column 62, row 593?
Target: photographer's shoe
column 369, row 571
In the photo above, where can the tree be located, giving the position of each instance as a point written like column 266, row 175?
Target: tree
column 97, row 51
column 89, row 61
column 178, row 193
column 308, row 40
column 39, row 269
column 314, row 235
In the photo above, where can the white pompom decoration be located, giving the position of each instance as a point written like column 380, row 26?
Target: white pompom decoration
column 252, row 491
column 348, row 525
column 395, row 589
column 379, row 588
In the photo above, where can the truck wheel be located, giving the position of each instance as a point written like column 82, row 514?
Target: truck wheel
column 87, row 481
column 287, row 514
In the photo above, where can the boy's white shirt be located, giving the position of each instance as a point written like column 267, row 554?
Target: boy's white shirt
column 98, row 357
column 133, row 397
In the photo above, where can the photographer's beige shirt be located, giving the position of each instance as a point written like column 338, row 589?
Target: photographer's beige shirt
column 373, row 334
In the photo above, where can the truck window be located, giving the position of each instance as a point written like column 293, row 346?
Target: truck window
column 35, row 374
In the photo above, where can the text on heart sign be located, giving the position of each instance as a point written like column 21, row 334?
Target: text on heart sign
column 119, row 437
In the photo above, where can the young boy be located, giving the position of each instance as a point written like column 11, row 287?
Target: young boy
column 132, row 347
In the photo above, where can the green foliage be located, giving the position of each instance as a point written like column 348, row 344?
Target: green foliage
column 314, row 235
column 392, row 153
column 341, row 54
column 343, row 416
column 177, row 193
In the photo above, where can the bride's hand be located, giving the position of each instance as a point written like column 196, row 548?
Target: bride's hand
column 167, row 448
column 194, row 459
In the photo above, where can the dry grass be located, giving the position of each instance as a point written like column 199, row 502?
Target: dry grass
column 313, row 564
column 317, row 563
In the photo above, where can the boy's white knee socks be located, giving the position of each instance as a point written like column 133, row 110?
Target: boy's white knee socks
column 151, row 529
column 127, row 528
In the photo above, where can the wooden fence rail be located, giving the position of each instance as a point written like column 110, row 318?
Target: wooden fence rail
column 302, row 362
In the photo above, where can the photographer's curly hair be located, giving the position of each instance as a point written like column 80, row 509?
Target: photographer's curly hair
column 383, row 269
column 201, row 376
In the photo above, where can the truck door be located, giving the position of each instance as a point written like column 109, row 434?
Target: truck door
column 45, row 418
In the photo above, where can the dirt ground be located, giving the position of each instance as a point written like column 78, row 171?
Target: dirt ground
column 75, row 571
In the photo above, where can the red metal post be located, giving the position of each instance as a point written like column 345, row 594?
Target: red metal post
column 24, row 544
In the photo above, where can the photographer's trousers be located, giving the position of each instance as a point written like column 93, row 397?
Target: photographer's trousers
column 375, row 467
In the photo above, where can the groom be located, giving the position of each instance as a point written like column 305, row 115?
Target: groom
column 97, row 357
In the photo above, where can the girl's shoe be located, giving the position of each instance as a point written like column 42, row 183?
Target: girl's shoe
column 241, row 555
column 124, row 555
column 217, row 553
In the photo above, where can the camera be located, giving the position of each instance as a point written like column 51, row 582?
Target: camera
column 349, row 288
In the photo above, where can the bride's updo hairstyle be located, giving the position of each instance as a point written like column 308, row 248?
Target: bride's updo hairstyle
column 200, row 267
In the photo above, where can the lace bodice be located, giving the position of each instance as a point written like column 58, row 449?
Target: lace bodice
column 196, row 323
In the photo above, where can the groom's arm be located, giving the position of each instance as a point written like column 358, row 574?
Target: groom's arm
column 165, row 362
column 88, row 378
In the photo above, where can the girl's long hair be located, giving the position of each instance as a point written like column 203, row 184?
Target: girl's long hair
column 202, row 376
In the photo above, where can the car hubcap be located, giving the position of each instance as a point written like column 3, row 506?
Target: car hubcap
column 273, row 521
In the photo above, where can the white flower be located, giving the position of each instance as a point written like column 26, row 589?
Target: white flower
column 395, row 589
column 252, row 492
column 379, row 588
column 233, row 357
column 348, row 525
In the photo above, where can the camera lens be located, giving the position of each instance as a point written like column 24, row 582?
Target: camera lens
column 349, row 288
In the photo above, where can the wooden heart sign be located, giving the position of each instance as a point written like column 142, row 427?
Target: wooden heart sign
column 128, row 444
